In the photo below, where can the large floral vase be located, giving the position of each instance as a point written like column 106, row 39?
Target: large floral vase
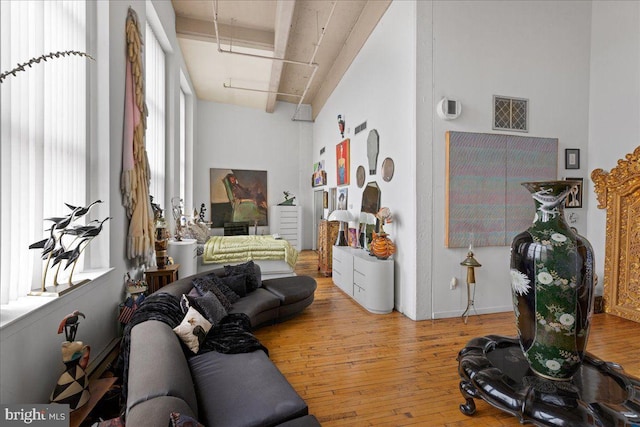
column 552, row 285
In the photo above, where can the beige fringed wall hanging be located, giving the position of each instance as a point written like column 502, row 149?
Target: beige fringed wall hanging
column 134, row 182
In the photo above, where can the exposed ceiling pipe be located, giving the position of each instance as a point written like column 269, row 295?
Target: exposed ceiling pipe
column 313, row 73
column 228, row 86
column 309, row 64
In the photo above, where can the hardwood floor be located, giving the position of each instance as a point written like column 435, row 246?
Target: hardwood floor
column 354, row 368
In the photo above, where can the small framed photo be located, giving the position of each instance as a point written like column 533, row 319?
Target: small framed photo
column 572, row 158
column 574, row 198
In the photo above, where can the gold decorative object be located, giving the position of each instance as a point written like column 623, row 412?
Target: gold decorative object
column 618, row 192
column 471, row 263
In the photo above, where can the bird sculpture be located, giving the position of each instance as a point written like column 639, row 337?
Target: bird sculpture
column 55, row 248
column 69, row 325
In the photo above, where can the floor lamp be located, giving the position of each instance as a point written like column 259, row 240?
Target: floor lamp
column 342, row 216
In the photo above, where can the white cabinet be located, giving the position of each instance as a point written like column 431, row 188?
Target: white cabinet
column 286, row 221
column 185, row 253
column 366, row 279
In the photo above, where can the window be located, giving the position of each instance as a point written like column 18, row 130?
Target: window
column 155, row 100
column 510, row 114
column 44, row 132
column 183, row 146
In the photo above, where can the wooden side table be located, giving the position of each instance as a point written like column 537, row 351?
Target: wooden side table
column 159, row 277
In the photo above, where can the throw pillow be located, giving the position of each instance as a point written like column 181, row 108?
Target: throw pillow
column 254, row 278
column 177, row 419
column 237, row 283
column 193, row 329
column 203, row 284
column 209, row 306
column 226, row 290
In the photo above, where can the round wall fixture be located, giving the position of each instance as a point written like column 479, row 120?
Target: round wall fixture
column 387, row 169
column 360, row 176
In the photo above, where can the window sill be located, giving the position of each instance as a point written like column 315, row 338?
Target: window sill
column 15, row 310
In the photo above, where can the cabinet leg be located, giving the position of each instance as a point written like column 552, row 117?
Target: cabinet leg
column 469, row 407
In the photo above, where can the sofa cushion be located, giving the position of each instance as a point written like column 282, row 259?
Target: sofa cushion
column 244, row 389
column 237, row 283
column 209, row 306
column 178, row 419
column 250, row 269
column 306, row 421
column 157, row 366
column 156, row 412
column 291, row 289
column 255, row 303
column 209, row 282
column 193, row 329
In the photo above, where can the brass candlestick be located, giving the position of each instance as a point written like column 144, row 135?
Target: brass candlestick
column 471, row 263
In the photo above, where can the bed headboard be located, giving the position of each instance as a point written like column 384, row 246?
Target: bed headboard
column 618, row 192
column 236, row 228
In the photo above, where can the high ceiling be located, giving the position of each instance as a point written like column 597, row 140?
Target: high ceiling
column 318, row 39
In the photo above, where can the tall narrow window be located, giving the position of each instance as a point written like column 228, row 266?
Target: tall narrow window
column 155, row 140
column 183, row 146
column 44, row 132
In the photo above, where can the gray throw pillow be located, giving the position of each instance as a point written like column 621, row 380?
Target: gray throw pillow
column 209, row 306
column 254, row 277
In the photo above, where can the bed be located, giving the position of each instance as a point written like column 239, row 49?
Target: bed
column 276, row 257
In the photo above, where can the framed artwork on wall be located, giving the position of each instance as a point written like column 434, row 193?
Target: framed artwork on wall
column 343, row 196
column 238, row 195
column 572, row 158
column 342, row 162
column 574, row 198
column 319, row 174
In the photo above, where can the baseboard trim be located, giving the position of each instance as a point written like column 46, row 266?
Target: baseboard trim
column 103, row 359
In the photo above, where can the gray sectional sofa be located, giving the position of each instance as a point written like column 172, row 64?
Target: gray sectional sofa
column 244, row 389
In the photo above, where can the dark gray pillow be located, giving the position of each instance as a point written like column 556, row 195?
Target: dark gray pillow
column 254, row 279
column 209, row 306
column 237, row 283
column 211, row 283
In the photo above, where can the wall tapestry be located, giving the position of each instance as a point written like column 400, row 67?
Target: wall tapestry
column 238, row 196
column 342, row 162
column 485, row 201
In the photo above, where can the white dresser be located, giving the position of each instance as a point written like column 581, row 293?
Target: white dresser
column 365, row 278
column 286, row 221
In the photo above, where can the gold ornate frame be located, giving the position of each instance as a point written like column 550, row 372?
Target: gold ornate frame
column 618, row 192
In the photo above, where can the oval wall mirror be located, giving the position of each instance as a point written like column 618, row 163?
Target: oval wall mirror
column 387, row 169
column 360, row 176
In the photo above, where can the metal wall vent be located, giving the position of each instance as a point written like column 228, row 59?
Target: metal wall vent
column 510, row 114
column 362, row 126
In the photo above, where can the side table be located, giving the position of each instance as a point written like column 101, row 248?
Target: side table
column 159, row 277
column 494, row 369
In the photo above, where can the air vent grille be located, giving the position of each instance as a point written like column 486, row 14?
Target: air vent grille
column 510, row 114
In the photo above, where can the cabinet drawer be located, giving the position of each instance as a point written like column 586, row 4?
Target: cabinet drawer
column 359, row 279
column 360, row 295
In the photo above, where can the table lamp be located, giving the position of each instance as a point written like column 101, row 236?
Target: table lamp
column 342, row 216
column 471, row 263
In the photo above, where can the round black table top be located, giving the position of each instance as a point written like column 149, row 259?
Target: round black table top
column 494, row 369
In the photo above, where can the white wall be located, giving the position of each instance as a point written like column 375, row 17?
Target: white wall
column 614, row 104
column 30, row 358
column 380, row 87
column 534, row 50
column 237, row 137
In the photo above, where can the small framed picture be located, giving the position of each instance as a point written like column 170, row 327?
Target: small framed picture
column 572, row 158
column 574, row 198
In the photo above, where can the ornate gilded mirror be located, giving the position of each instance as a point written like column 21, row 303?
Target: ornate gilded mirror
column 618, row 192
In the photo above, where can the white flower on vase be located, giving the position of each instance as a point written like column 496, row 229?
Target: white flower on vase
column 553, row 365
column 567, row 319
column 545, row 278
column 520, row 282
column 559, row 237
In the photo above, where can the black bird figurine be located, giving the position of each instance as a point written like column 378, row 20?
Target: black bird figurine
column 82, row 211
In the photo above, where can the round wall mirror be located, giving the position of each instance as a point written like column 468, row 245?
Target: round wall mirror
column 387, row 169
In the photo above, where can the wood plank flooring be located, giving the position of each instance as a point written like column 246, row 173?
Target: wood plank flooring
column 354, row 368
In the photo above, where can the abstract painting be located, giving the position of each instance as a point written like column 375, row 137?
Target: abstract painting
column 238, row 195
column 485, row 201
column 342, row 162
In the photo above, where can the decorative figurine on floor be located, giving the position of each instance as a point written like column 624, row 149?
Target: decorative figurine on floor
column 72, row 387
column 176, row 208
column 288, row 199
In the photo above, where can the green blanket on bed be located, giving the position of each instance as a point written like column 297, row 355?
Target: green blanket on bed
column 228, row 249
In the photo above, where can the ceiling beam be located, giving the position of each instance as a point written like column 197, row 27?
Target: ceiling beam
column 284, row 18
column 367, row 21
column 198, row 29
